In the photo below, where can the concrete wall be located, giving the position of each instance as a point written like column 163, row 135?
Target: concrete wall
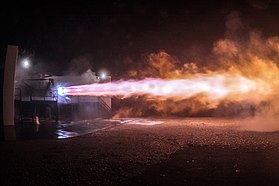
column 9, row 85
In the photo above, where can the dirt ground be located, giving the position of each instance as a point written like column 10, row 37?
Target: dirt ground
column 201, row 151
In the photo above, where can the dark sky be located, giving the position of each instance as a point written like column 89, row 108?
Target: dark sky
column 110, row 32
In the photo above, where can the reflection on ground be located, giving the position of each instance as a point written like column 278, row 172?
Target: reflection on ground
column 60, row 130
column 67, row 129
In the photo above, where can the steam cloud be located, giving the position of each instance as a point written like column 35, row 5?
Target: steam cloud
column 251, row 56
column 247, row 53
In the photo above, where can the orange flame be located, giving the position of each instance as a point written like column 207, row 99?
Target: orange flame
column 245, row 72
column 214, row 87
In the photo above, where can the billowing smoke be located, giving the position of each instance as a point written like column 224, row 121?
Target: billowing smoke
column 260, row 4
column 241, row 79
column 254, row 58
column 79, row 65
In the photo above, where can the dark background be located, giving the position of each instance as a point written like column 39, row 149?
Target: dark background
column 110, row 33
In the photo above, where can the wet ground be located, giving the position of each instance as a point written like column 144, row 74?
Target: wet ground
column 59, row 130
column 68, row 129
column 139, row 151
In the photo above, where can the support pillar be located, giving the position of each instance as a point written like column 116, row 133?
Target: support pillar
column 8, row 93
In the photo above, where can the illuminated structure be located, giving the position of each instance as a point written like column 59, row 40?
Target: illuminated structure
column 37, row 95
column 82, row 107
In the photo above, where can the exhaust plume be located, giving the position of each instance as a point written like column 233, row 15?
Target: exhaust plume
column 213, row 88
column 241, row 74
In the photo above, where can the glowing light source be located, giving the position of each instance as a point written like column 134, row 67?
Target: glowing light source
column 26, row 63
column 103, row 75
column 60, row 91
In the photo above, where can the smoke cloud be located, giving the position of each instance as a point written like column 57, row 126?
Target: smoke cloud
column 240, row 78
column 243, row 52
column 79, row 65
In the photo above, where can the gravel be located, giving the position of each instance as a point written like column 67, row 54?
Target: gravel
column 190, row 151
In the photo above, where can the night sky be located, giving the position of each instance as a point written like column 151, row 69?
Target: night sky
column 108, row 33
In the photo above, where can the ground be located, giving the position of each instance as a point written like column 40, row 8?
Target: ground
column 193, row 151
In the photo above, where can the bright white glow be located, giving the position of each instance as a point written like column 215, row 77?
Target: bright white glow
column 103, row 75
column 60, row 91
column 26, row 63
column 214, row 87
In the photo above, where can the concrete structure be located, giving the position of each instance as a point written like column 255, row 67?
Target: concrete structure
column 82, row 107
column 8, row 92
column 37, row 97
column 34, row 96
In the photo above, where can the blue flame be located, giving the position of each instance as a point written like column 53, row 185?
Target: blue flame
column 60, row 91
